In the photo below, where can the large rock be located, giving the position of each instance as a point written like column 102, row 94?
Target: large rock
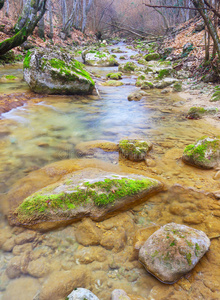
column 173, row 251
column 90, row 192
column 98, row 58
column 135, row 150
column 204, row 154
column 82, row 294
column 52, row 71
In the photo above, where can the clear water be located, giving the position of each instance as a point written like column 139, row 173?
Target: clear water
column 38, row 134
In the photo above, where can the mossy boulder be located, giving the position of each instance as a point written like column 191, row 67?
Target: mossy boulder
column 135, row 150
column 98, row 58
column 152, row 56
column 114, row 76
column 161, row 84
column 128, row 67
column 112, row 83
column 199, row 112
column 172, row 251
column 204, row 154
column 52, row 71
column 73, row 198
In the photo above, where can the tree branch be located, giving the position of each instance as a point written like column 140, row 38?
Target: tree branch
column 172, row 6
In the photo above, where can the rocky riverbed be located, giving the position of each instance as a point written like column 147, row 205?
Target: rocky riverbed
column 62, row 135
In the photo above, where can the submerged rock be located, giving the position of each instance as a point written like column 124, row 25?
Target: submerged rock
column 173, row 251
column 81, row 294
column 204, row 154
column 51, row 71
column 99, row 58
column 112, row 83
column 136, row 96
column 81, row 194
column 134, row 150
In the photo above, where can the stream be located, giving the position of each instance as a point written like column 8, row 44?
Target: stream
column 38, row 134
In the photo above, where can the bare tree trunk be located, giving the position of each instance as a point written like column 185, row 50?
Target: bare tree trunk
column 199, row 5
column 23, row 17
column 2, row 3
column 86, row 8
column 41, row 28
column 7, row 9
column 50, row 19
column 64, row 12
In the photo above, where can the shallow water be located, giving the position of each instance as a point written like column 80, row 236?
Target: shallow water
column 35, row 135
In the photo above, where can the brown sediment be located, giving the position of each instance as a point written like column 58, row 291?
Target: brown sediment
column 8, row 102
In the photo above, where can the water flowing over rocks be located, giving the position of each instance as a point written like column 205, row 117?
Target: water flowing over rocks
column 173, row 251
column 81, row 194
column 204, row 154
column 53, row 71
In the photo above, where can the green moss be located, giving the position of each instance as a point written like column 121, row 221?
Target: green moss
column 163, row 73
column 177, row 87
column 188, row 258
column 216, row 94
column 197, row 249
column 114, row 76
column 101, row 193
column 133, row 146
column 10, row 77
column 128, row 67
column 198, row 151
column 27, row 59
column 68, row 71
column 152, row 56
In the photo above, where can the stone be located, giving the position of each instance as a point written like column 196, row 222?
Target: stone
column 115, row 239
column 82, row 294
column 197, row 112
column 16, row 288
column 25, row 237
column 87, row 255
column 172, row 251
column 38, row 268
column 135, row 150
column 165, row 82
column 101, row 194
column 203, row 154
column 61, row 283
column 152, row 56
column 14, row 268
column 51, row 71
column 114, row 76
column 119, row 294
column 98, row 58
column 8, row 245
column 89, row 148
column 199, row 26
column 88, row 234
column 136, row 96
column 127, row 67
